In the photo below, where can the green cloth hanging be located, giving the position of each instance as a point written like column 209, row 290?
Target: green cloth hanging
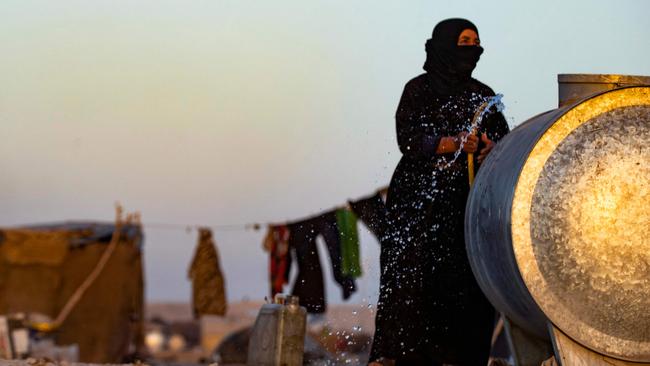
column 347, row 224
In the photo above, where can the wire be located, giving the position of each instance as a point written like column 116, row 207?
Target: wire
column 187, row 227
column 256, row 226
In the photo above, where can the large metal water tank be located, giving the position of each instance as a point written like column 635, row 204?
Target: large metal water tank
column 558, row 220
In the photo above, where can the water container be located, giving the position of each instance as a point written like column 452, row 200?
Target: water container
column 557, row 219
column 278, row 335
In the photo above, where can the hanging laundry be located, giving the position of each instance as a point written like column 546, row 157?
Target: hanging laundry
column 326, row 225
column 208, row 290
column 309, row 285
column 372, row 211
column 276, row 243
column 347, row 223
column 267, row 243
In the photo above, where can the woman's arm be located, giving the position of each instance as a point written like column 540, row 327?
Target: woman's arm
column 496, row 128
column 416, row 136
column 410, row 124
column 450, row 144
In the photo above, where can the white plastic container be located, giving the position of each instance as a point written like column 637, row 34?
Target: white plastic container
column 278, row 336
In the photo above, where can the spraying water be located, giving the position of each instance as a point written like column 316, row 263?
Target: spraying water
column 481, row 112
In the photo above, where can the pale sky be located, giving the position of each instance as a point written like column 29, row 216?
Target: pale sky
column 220, row 112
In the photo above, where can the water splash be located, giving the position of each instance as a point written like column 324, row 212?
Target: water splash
column 493, row 101
column 483, row 109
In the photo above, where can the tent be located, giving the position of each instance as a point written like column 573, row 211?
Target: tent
column 42, row 266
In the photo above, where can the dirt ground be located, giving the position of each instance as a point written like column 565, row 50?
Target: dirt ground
column 344, row 331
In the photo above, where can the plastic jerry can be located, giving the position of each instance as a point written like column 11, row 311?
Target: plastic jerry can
column 278, row 336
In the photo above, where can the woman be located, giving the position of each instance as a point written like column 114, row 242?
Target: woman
column 431, row 310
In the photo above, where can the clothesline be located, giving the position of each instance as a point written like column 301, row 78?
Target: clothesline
column 220, row 227
column 256, row 226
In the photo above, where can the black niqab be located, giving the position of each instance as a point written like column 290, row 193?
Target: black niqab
column 449, row 65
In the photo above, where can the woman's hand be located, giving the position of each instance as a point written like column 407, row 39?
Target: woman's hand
column 382, row 362
column 471, row 144
column 489, row 144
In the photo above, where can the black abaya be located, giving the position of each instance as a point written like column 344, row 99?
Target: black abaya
column 431, row 310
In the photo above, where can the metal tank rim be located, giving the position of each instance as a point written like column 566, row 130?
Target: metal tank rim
column 618, row 79
column 575, row 87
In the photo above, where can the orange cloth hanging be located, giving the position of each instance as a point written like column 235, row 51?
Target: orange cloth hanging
column 208, row 285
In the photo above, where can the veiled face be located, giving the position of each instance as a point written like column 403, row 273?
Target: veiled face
column 468, row 37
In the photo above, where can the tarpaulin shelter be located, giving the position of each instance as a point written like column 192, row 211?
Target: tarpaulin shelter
column 42, row 266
